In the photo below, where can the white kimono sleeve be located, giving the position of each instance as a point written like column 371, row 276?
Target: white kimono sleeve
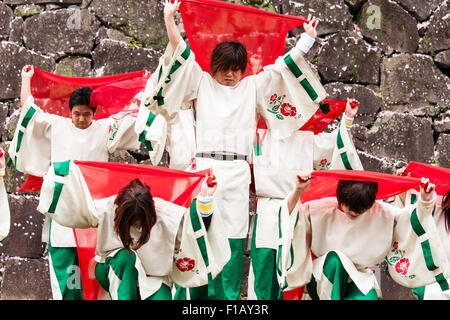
column 30, row 149
column 178, row 77
column 417, row 257
column 202, row 254
column 288, row 94
column 65, row 197
column 5, row 217
column 335, row 150
column 294, row 262
column 152, row 132
column 122, row 134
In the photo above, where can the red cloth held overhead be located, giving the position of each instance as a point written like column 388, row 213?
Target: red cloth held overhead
column 324, row 183
column 438, row 175
column 263, row 33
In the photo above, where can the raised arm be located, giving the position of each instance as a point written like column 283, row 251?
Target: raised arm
column 25, row 91
column 303, row 181
column 308, row 38
column 170, row 9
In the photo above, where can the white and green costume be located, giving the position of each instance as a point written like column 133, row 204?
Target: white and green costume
column 180, row 250
column 225, row 125
column 347, row 249
column 437, row 290
column 275, row 165
column 5, row 216
column 41, row 138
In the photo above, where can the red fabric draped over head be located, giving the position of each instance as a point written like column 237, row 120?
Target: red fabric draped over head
column 324, row 183
column 263, row 33
column 438, row 175
column 105, row 179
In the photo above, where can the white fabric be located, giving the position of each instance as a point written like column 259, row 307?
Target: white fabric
column 305, row 42
column 5, row 216
column 232, row 194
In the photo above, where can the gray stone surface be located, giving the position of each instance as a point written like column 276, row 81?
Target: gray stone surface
column 113, row 57
column 347, row 57
column 437, row 35
column 414, row 80
column 420, row 9
column 26, row 279
column 61, row 32
column 333, row 15
column 442, row 59
column 140, row 19
column 24, row 239
column 443, row 150
column 74, row 66
column 15, row 34
column 6, row 16
column 12, row 58
column 389, row 25
column 20, row 2
column 402, row 137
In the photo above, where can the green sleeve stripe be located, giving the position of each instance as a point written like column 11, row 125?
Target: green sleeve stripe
column 19, row 140
column 309, row 89
column 159, row 97
column 186, row 53
column 150, row 119
column 201, row 242
column 56, row 195
column 61, row 168
column 174, row 68
column 344, row 156
column 413, row 198
column 415, row 224
column 292, row 66
column 147, row 143
column 428, row 256
column 324, row 107
column 28, row 116
column 443, row 283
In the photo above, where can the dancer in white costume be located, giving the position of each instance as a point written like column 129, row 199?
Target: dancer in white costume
column 226, row 107
column 441, row 215
column 5, row 217
column 144, row 243
column 349, row 234
column 41, row 138
column 275, row 167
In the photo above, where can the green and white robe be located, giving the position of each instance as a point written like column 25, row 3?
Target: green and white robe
column 436, row 236
column 5, row 216
column 179, row 250
column 382, row 232
column 226, row 119
column 41, row 138
column 275, row 166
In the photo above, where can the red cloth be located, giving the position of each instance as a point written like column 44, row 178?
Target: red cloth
column 324, row 183
column 105, row 179
column 111, row 95
column 263, row 33
column 438, row 175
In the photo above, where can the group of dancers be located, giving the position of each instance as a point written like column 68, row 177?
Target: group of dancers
column 151, row 248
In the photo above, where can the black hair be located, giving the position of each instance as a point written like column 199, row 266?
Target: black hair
column 446, row 210
column 358, row 196
column 228, row 55
column 81, row 97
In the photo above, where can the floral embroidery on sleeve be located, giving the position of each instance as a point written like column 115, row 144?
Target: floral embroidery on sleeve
column 282, row 109
column 185, row 264
column 398, row 262
column 324, row 164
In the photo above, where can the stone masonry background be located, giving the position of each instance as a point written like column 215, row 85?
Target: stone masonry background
column 392, row 55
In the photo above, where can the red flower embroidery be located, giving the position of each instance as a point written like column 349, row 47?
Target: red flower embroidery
column 288, row 110
column 323, row 162
column 185, row 264
column 402, row 266
column 273, row 97
column 395, row 245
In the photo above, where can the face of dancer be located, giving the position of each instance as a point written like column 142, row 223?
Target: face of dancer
column 82, row 116
column 229, row 77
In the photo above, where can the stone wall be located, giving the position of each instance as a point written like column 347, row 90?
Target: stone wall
column 392, row 55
